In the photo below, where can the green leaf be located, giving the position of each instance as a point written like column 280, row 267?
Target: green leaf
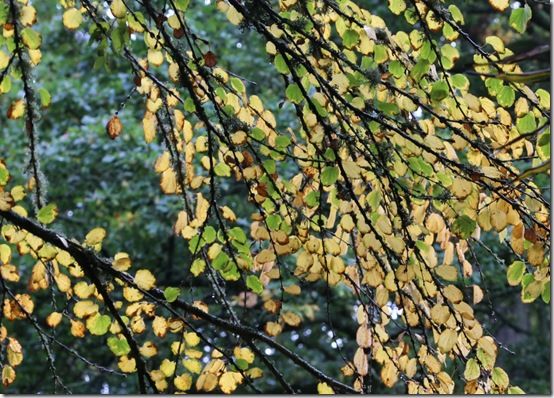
column 231, row 273
column 396, row 68
column 520, row 17
column 182, row 4
column 273, row 221
column 439, row 91
column 515, row 390
column 45, row 97
column 281, row 65
column 472, row 370
column 99, row 324
column 118, row 346
column 500, row 378
column 374, row 199
column 236, row 233
column 282, row 141
column 222, row 170
column 456, row 14
column 546, row 293
column 460, row 81
column 242, row 364
column 47, row 214
column 189, row 105
column 531, row 291
column 543, row 146
column 420, row 166
column 506, row 96
column 494, row 85
column 171, row 293
column 312, row 199
column 350, row 38
column 4, row 175
column 254, row 284
column 198, row 266
column 526, row 124
column 486, row 360
column 329, row 175
column 380, row 53
column 397, row 6
column 237, row 84
column 420, row 69
column 30, row 38
column 209, row 234
column 515, row 272
column 257, row 134
column 294, row 94
column 464, row 226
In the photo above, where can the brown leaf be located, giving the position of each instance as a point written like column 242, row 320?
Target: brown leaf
column 210, row 60
column 114, row 127
column 178, row 33
column 530, row 235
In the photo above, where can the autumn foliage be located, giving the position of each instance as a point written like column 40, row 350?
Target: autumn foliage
column 381, row 189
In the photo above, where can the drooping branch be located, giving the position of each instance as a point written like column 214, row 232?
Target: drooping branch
column 87, row 258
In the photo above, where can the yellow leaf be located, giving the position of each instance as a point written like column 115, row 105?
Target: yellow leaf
column 273, row 328
column 192, row 365
column 202, row 207
column 364, row 336
column 16, row 109
column 499, row 5
column 159, row 326
column 8, row 375
column 85, row 308
column 149, row 124
column 168, row 182
column 148, row 349
column 453, row 294
column 228, row 214
column 83, row 290
column 5, row 254
column 293, row 290
column 477, row 294
column 126, row 364
column 234, row 16
column 360, row 362
column 28, row 15
column 72, row 18
column 118, row 8
column 192, row 339
column 54, row 319
column 255, row 373
column 324, row 389
column 440, row 314
column 291, row 318
column 183, row 382
column 77, row 328
column 244, row 353
column 95, row 237
column 447, row 340
column 229, row 381
column 121, row 262
column 206, row 382
column 167, row 367
column 265, row 256
column 389, row 374
column 447, row 272
column 145, row 279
